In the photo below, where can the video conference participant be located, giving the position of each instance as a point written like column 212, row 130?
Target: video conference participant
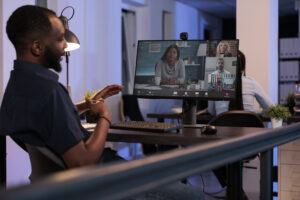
column 216, row 77
column 220, row 68
column 223, row 49
column 218, row 85
column 170, row 69
column 251, row 90
column 36, row 109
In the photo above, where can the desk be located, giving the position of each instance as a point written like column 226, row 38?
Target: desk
column 205, row 118
column 185, row 137
column 192, row 136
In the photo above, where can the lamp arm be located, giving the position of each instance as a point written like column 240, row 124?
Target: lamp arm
column 67, row 62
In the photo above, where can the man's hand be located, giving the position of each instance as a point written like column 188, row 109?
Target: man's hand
column 106, row 92
column 99, row 96
column 98, row 108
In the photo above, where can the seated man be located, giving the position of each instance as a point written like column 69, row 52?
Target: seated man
column 36, row 108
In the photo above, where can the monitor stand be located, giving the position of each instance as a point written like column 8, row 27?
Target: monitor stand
column 189, row 109
column 189, row 106
column 189, row 112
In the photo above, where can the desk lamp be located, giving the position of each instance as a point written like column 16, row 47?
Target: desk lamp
column 72, row 40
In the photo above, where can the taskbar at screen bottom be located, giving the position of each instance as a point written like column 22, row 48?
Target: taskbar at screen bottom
column 212, row 94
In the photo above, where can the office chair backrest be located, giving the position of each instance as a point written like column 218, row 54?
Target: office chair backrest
column 43, row 162
column 131, row 107
column 237, row 118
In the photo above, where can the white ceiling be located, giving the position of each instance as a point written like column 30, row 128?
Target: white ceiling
column 226, row 8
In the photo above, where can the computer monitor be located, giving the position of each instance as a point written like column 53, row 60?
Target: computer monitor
column 186, row 69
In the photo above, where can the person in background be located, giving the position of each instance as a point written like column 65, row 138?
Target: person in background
column 223, row 49
column 248, row 89
column 170, row 69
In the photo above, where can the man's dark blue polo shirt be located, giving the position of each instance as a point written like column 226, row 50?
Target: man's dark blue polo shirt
column 36, row 109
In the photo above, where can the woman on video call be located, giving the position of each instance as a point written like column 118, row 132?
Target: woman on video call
column 170, row 69
column 223, row 49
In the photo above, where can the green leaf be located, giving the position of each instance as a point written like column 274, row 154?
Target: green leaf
column 277, row 111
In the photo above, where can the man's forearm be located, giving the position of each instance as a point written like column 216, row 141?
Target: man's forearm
column 98, row 138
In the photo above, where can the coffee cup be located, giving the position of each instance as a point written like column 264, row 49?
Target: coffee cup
column 157, row 80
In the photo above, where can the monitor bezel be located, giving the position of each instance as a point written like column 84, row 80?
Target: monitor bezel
column 184, row 97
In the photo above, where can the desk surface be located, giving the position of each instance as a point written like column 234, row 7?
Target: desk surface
column 207, row 118
column 186, row 136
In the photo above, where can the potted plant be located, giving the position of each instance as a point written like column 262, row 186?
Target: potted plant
column 290, row 102
column 89, row 116
column 277, row 114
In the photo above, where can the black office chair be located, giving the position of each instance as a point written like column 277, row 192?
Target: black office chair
column 238, row 118
column 235, row 118
column 131, row 110
column 42, row 159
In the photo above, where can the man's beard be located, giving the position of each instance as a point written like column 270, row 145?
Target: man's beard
column 52, row 60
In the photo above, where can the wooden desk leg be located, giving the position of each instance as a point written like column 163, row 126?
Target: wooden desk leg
column 234, row 178
column 266, row 166
column 2, row 161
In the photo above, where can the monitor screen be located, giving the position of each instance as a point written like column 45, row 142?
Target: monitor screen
column 186, row 69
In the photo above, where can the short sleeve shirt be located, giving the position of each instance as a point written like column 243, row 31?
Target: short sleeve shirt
column 36, row 109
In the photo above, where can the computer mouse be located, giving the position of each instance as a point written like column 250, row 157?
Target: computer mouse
column 209, row 129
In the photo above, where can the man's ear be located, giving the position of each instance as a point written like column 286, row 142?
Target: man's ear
column 36, row 48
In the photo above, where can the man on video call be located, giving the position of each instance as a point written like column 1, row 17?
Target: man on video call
column 36, row 109
column 220, row 68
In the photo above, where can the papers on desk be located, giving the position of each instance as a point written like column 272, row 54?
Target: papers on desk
column 89, row 126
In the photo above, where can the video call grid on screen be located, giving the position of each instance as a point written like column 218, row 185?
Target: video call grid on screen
column 204, row 69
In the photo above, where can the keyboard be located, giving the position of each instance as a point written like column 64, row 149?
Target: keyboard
column 146, row 126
